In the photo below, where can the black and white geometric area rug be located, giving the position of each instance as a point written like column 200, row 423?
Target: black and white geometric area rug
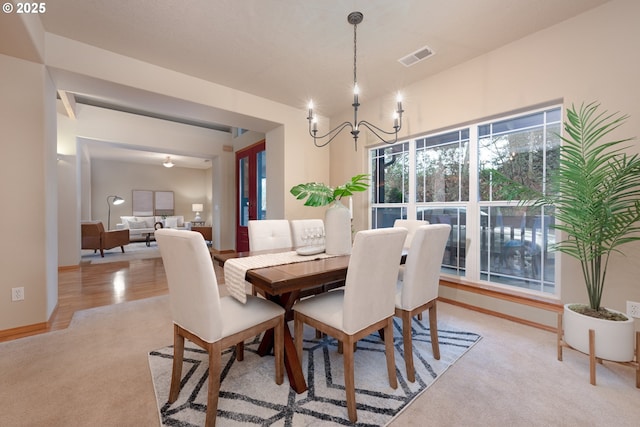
column 250, row 396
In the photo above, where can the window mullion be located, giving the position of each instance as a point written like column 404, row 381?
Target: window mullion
column 411, row 206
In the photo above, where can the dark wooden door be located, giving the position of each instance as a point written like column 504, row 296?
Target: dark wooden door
column 251, row 185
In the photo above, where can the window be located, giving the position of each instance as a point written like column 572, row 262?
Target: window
column 445, row 178
column 390, row 195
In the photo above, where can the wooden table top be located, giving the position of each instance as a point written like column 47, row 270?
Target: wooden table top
column 281, row 279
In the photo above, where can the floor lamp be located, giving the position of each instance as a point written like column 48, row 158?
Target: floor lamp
column 117, row 200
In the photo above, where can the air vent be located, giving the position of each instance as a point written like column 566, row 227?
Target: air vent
column 417, row 56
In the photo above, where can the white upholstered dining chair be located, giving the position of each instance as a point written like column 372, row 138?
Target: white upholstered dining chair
column 418, row 289
column 204, row 318
column 267, row 234
column 307, row 232
column 363, row 306
column 411, row 225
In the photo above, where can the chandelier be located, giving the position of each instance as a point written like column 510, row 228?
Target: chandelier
column 354, row 19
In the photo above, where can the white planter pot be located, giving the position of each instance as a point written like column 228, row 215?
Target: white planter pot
column 615, row 341
column 337, row 229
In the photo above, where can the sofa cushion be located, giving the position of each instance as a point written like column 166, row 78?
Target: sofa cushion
column 137, row 225
column 171, row 222
column 149, row 220
column 179, row 218
column 124, row 220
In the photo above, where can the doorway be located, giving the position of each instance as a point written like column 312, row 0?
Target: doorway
column 251, row 191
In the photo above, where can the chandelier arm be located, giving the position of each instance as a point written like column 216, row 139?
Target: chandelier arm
column 335, row 131
column 372, row 128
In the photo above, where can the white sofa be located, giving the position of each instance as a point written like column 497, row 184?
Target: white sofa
column 140, row 226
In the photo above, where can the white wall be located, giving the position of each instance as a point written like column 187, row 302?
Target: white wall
column 591, row 57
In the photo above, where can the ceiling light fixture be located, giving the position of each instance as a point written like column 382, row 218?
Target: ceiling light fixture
column 355, row 18
column 168, row 163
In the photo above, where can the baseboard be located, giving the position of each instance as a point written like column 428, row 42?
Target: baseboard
column 23, row 331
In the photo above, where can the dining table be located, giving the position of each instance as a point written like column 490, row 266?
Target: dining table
column 284, row 284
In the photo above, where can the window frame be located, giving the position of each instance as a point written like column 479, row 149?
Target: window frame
column 473, row 206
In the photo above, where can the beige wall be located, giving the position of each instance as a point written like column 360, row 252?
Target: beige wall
column 591, row 57
column 23, row 256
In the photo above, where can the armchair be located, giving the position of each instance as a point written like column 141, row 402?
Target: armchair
column 95, row 237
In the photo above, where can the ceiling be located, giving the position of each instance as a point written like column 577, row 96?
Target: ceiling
column 291, row 51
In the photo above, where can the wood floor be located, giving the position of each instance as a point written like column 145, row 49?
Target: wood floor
column 97, row 285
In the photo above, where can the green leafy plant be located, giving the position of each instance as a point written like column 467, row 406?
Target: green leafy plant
column 596, row 195
column 319, row 194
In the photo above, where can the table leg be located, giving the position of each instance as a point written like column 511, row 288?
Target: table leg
column 148, row 240
column 291, row 362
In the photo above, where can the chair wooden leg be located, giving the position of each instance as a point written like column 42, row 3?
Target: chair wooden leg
column 408, row 345
column 349, row 382
column 102, row 252
column 176, row 373
column 298, row 326
column 433, row 327
column 215, row 365
column 122, row 247
column 419, row 316
column 278, row 350
column 389, row 352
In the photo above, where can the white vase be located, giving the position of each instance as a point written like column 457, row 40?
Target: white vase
column 337, row 229
column 615, row 340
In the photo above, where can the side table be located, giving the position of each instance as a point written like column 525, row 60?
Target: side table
column 207, row 232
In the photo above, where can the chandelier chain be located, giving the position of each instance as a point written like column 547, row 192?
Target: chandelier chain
column 355, row 53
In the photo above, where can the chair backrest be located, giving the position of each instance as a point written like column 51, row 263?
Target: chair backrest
column 91, row 233
column 411, row 225
column 91, row 228
column 307, row 232
column 193, row 288
column 269, row 234
column 372, row 275
column 422, row 268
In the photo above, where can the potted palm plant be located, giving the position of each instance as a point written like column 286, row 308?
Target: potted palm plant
column 596, row 195
column 337, row 220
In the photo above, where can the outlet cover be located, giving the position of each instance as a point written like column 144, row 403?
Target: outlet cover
column 17, row 294
column 633, row 309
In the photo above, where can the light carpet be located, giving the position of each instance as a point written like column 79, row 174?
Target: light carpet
column 132, row 251
column 250, row 396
